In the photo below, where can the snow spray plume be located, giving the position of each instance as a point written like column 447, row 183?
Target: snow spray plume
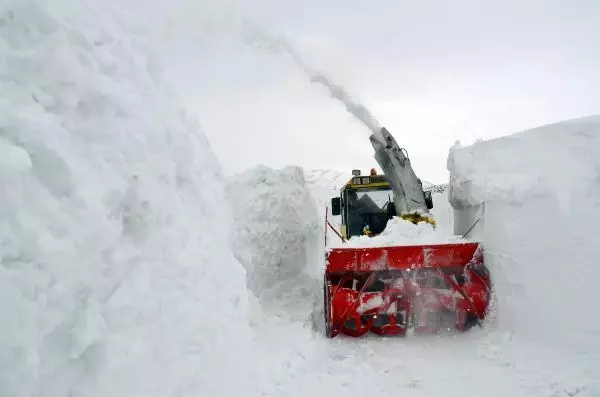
column 359, row 111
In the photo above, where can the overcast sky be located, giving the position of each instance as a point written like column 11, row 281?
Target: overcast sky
column 431, row 72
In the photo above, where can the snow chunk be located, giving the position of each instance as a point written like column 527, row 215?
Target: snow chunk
column 370, row 303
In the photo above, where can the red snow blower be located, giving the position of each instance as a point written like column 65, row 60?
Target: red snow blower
column 388, row 290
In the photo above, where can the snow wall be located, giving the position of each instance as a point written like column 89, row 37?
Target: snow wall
column 115, row 273
column 277, row 236
column 538, row 196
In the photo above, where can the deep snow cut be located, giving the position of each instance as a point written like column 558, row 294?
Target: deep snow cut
column 116, row 276
column 536, row 195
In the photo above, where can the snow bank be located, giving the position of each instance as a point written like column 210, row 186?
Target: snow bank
column 115, row 272
column 538, row 193
column 277, row 230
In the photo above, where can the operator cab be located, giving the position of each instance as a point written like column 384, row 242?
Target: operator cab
column 366, row 203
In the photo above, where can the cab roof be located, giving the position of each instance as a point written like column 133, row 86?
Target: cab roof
column 366, row 181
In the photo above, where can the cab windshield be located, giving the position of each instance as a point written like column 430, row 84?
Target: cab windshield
column 368, row 207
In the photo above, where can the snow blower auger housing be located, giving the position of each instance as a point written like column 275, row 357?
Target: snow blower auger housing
column 389, row 290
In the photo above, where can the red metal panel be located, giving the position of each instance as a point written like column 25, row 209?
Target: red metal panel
column 341, row 260
column 406, row 257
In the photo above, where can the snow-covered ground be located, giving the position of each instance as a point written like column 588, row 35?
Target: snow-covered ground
column 129, row 265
